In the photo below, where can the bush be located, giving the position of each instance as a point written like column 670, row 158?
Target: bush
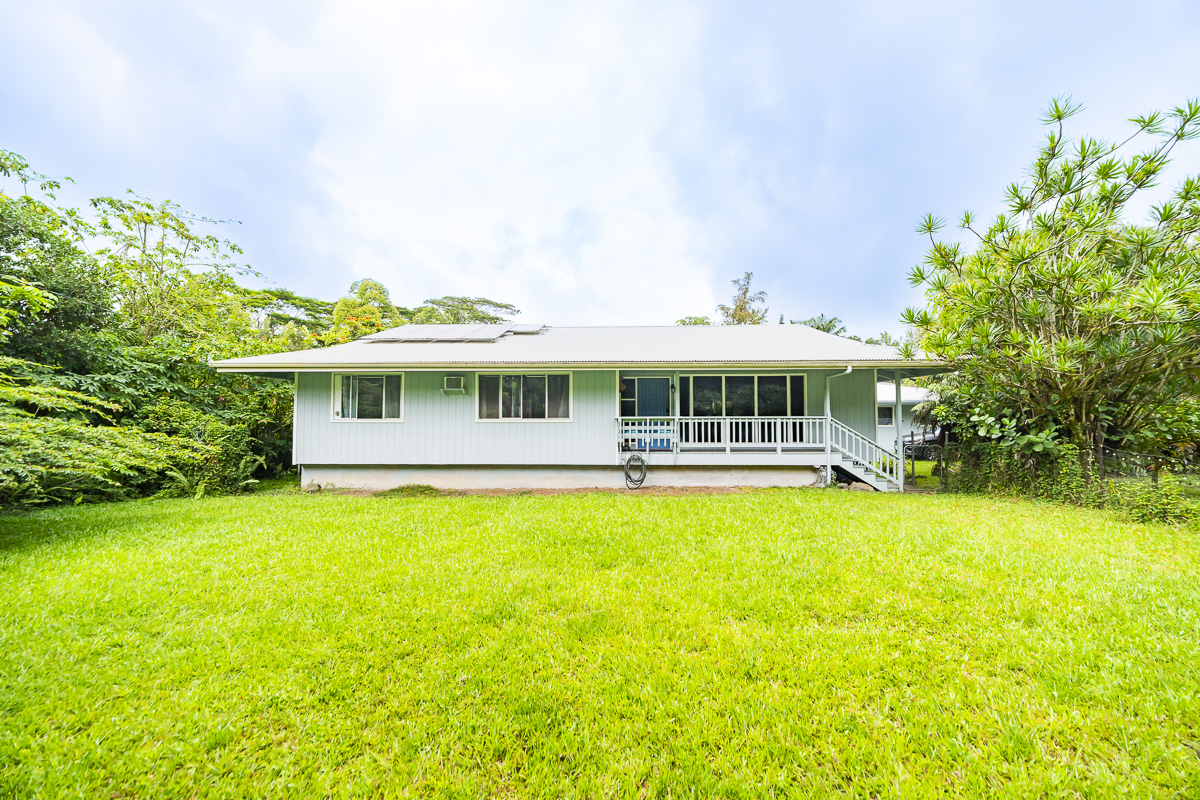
column 992, row 468
column 46, row 460
column 226, row 465
column 1158, row 501
column 1064, row 476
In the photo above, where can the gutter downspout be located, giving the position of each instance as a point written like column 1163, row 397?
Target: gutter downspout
column 898, row 419
column 829, row 427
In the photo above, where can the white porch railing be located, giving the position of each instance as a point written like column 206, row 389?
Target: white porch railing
column 757, row 434
column 728, row 434
column 862, row 450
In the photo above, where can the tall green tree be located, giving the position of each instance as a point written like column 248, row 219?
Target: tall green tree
column 51, row 450
column 107, row 322
column 1063, row 319
column 744, row 308
column 41, row 246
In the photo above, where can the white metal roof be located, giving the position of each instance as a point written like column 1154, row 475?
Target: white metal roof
column 885, row 393
column 583, row 347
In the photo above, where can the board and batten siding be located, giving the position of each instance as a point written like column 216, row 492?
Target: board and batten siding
column 442, row 428
column 851, row 398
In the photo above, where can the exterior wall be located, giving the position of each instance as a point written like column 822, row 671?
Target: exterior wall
column 441, row 429
column 610, row 477
column 851, row 398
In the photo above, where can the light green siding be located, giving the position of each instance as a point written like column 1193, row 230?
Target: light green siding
column 442, row 428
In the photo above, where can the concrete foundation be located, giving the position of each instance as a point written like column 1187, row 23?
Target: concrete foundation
column 486, row 477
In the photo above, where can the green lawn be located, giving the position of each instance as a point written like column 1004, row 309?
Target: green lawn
column 777, row 643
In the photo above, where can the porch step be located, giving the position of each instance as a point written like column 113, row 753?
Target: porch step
column 864, row 475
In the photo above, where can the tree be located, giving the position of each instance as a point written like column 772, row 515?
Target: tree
column 744, row 310
column 823, row 323
column 1065, row 321
column 167, row 276
column 50, row 450
column 135, row 322
column 694, row 321
column 40, row 247
column 884, row 338
column 460, row 310
column 367, row 308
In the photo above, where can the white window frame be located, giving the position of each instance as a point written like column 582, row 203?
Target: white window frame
column 538, row 420
column 335, row 406
column 756, row 376
column 879, row 424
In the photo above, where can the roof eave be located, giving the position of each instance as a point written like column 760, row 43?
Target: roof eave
column 232, row 367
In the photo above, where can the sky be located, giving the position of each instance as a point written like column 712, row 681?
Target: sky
column 592, row 163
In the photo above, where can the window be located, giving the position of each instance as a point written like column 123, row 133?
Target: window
column 628, row 387
column 514, row 397
column 368, row 397
column 741, row 395
column 886, row 416
column 708, row 396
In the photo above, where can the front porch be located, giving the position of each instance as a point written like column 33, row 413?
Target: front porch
column 820, row 442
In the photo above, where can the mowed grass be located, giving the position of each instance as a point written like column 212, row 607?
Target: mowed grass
column 774, row 643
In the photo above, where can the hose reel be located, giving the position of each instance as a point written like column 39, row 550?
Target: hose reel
column 635, row 471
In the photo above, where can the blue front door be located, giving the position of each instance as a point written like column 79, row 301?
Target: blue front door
column 654, row 397
column 654, row 400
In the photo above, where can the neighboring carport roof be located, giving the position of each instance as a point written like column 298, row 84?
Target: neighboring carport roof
column 738, row 346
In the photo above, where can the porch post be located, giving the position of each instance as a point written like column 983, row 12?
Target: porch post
column 828, row 434
column 829, row 424
column 898, row 418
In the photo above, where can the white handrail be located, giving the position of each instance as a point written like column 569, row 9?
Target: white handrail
column 875, row 457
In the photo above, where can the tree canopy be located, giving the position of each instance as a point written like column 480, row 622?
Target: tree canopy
column 1063, row 320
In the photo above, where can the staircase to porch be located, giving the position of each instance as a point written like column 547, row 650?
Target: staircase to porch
column 864, row 458
column 821, row 442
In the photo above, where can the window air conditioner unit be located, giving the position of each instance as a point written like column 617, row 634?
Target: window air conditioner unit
column 454, row 384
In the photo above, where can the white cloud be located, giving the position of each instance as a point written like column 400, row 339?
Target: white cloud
column 605, row 162
column 512, row 155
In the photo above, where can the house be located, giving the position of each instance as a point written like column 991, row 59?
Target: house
column 886, row 417
column 522, row 406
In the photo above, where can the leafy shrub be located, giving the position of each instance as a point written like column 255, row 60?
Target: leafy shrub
column 227, row 463
column 46, row 460
column 1158, row 501
column 992, row 468
column 1064, row 475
